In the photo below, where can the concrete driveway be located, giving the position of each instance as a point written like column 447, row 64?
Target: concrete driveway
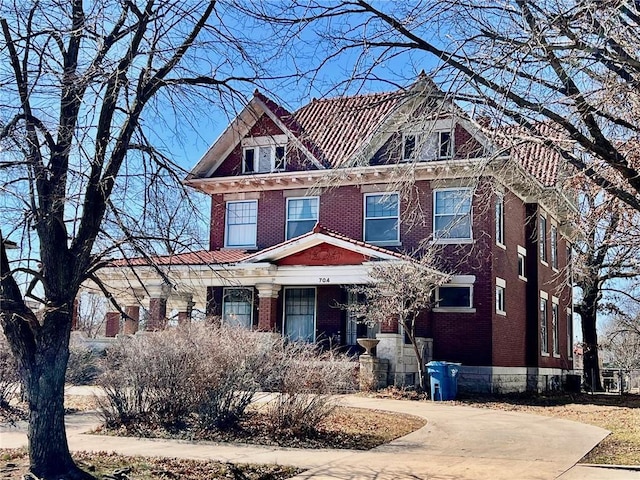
column 457, row 443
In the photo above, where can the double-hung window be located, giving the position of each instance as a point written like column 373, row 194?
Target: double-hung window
column 381, row 218
column 544, row 334
column 554, row 246
column 302, row 215
column 452, row 214
column 241, row 222
column 542, row 238
column 555, row 327
column 522, row 263
column 500, row 219
column 237, row 307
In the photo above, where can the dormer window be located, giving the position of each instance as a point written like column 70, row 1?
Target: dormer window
column 264, row 154
column 445, row 145
column 424, row 147
column 249, row 160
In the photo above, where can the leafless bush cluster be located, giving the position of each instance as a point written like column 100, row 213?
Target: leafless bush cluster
column 9, row 378
column 211, row 374
column 305, row 379
column 84, row 365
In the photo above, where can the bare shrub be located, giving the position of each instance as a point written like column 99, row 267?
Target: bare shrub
column 209, row 375
column 9, row 377
column 84, row 366
column 306, row 379
column 149, row 379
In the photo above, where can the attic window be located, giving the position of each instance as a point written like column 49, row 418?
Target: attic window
column 264, row 154
column 425, row 147
column 248, row 160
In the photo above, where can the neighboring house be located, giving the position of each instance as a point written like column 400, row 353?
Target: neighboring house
column 302, row 204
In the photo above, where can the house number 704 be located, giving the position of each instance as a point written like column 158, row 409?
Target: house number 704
column 325, row 280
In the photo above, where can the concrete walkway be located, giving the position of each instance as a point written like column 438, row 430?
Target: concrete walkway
column 457, row 443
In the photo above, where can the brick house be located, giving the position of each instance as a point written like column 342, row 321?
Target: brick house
column 303, row 203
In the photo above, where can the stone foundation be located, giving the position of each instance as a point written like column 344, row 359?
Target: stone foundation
column 403, row 367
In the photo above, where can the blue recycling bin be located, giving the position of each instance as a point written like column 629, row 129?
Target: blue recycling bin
column 443, row 379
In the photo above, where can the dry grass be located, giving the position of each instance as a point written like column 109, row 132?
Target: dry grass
column 620, row 415
column 14, row 464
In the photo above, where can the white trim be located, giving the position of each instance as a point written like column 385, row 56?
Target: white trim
column 264, row 141
column 286, row 212
column 469, row 308
column 315, row 308
column 544, row 295
column 501, row 282
column 364, row 218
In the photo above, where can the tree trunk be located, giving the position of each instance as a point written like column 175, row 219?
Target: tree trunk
column 588, row 309
column 44, row 375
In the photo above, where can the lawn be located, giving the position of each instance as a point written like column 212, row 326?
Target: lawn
column 618, row 414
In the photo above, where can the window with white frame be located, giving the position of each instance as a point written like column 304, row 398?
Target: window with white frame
column 237, row 307
column 452, row 214
column 300, row 314
column 500, row 219
column 544, row 334
column 542, row 237
column 454, row 296
column 381, row 218
column 554, row 246
column 522, row 263
column 501, row 287
column 418, row 146
column 445, row 144
column 302, row 215
column 264, row 154
column 249, row 159
column 409, row 146
column 555, row 327
column 241, row 222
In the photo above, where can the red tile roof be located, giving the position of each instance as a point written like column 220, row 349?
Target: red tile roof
column 339, row 126
column 540, row 160
column 200, row 257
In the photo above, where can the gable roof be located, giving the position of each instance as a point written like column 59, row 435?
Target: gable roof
column 318, row 236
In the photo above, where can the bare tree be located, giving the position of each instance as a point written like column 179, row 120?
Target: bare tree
column 83, row 86
column 572, row 63
column 399, row 292
column 622, row 340
column 606, row 269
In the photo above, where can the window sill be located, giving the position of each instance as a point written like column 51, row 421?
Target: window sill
column 453, row 310
column 544, row 354
column 556, row 355
column 501, row 313
column 452, row 241
column 524, row 279
column 240, row 247
column 385, row 244
column 501, row 245
column 555, row 269
column 544, row 263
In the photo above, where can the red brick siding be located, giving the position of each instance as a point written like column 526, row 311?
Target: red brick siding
column 509, row 332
